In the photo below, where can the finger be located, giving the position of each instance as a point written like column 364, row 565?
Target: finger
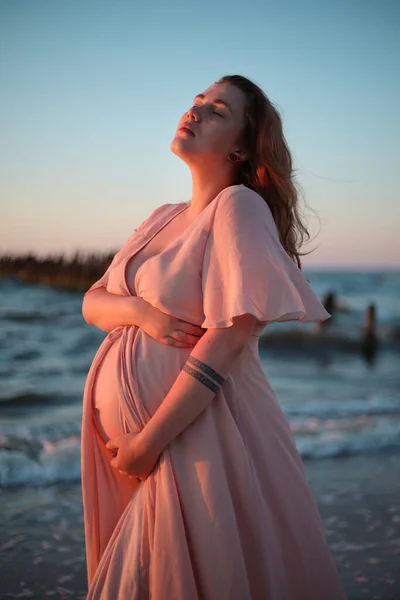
column 171, row 341
column 184, row 337
column 190, row 328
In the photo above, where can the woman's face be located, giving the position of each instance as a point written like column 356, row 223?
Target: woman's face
column 216, row 119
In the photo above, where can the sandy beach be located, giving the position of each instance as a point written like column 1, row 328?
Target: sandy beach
column 42, row 552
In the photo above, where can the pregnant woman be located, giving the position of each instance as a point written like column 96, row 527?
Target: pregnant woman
column 193, row 488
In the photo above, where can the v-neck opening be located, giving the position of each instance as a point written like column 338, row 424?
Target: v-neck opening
column 125, row 268
column 174, row 214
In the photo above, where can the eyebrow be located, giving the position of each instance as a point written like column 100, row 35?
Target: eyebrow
column 216, row 101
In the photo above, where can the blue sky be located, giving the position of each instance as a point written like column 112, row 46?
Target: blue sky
column 92, row 91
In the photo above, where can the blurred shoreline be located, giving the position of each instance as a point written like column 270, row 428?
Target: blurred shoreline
column 74, row 274
column 81, row 269
column 360, row 334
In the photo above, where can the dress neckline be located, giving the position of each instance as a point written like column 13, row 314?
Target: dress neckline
column 174, row 214
column 180, row 208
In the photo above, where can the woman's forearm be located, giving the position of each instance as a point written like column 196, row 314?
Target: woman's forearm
column 107, row 311
column 188, row 397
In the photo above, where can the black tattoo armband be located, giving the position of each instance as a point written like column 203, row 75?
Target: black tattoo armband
column 206, row 369
column 201, row 378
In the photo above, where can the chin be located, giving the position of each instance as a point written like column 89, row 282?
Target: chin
column 178, row 147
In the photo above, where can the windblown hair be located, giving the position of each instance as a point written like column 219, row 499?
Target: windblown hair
column 268, row 169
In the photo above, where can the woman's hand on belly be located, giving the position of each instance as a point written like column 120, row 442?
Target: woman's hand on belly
column 169, row 330
column 131, row 456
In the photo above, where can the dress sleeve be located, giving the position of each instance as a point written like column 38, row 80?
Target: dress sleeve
column 118, row 257
column 247, row 270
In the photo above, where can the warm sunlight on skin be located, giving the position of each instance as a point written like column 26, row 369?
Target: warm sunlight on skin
column 216, row 119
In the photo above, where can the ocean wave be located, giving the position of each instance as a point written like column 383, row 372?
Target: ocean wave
column 17, row 316
column 44, row 460
column 337, row 340
column 39, row 462
column 26, row 399
column 335, row 409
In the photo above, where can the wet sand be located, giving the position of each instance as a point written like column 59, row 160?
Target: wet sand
column 42, row 552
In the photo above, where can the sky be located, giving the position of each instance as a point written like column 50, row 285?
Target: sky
column 91, row 93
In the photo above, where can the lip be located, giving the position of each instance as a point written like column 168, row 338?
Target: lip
column 186, row 128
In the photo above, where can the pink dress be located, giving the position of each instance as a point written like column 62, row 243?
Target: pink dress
column 227, row 513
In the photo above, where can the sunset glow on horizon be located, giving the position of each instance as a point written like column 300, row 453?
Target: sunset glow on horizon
column 92, row 94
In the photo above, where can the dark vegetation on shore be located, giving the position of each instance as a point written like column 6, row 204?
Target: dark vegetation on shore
column 75, row 274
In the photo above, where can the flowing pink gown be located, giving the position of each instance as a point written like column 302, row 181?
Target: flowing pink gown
column 227, row 513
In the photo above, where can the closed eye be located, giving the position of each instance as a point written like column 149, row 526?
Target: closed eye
column 215, row 113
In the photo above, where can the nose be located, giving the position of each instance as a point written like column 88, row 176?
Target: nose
column 192, row 113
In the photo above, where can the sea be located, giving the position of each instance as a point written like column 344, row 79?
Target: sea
column 339, row 389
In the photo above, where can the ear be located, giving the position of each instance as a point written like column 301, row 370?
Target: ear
column 241, row 155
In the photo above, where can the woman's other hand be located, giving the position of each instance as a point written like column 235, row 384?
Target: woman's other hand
column 169, row 330
column 132, row 458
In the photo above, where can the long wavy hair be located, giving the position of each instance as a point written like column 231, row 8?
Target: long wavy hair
column 268, row 168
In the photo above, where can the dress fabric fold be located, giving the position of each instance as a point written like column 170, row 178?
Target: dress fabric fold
column 227, row 513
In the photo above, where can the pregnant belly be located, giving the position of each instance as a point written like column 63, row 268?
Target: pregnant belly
column 155, row 367
column 105, row 397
